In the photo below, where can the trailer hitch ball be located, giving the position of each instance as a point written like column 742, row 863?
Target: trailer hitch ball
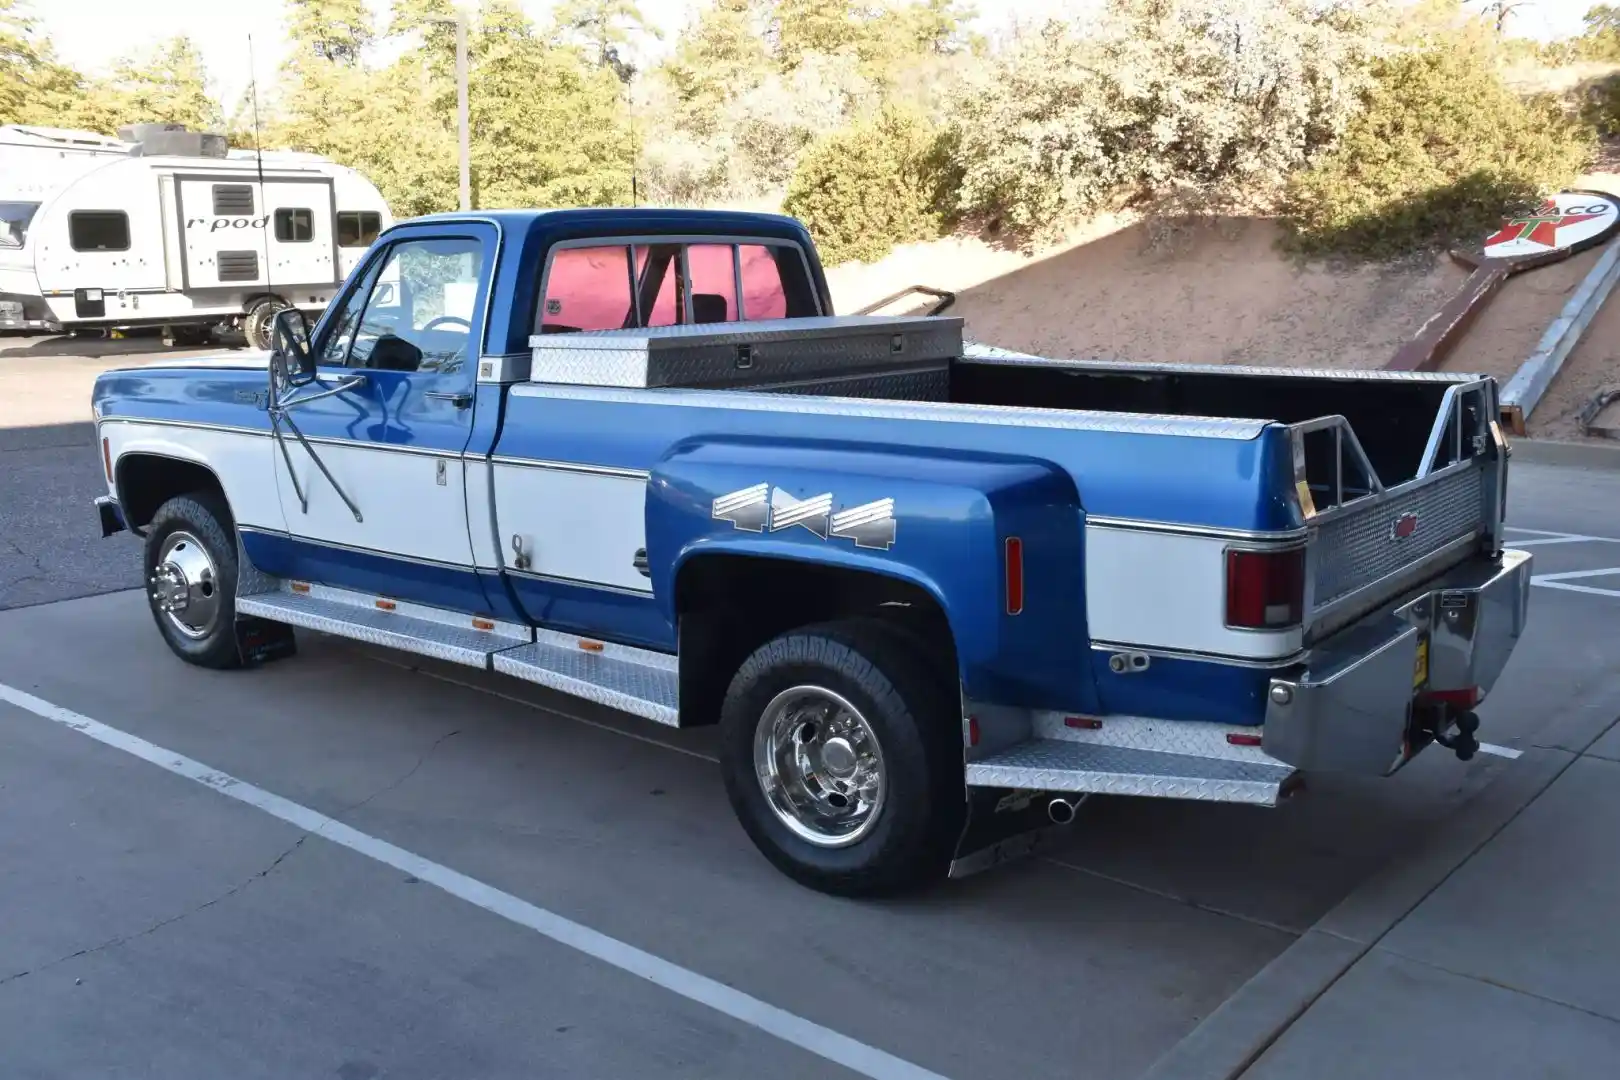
column 1463, row 744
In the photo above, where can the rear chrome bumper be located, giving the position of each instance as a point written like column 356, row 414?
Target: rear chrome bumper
column 1348, row 708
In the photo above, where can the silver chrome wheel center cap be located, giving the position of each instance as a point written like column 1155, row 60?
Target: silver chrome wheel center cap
column 820, row 767
column 184, row 586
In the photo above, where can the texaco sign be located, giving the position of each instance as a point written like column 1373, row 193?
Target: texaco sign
column 1568, row 222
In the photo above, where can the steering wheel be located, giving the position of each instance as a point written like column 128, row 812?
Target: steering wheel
column 436, row 320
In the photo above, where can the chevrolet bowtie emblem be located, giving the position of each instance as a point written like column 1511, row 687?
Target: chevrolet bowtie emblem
column 764, row 507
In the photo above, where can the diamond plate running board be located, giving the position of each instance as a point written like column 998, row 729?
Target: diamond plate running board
column 1060, row 765
column 635, row 681
column 445, row 635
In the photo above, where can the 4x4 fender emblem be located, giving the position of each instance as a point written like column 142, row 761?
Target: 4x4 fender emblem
column 762, row 506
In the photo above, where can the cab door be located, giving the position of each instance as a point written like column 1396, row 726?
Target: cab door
column 392, row 518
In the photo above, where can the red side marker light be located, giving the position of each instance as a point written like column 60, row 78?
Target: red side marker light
column 973, row 731
column 1090, row 723
column 1404, row 526
column 1015, row 575
column 1242, row 740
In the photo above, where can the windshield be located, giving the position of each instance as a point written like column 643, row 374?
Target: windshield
column 14, row 219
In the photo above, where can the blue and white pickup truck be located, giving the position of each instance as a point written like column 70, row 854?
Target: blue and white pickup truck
column 933, row 593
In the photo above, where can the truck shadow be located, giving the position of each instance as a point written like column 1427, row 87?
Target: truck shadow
column 135, row 342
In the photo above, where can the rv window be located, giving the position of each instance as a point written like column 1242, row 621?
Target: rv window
column 14, row 219
column 295, row 226
column 358, row 228
column 98, row 230
column 231, row 200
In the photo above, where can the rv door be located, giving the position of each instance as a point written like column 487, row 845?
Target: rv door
column 238, row 236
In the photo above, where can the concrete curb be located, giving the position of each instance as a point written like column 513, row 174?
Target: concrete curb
column 1524, row 391
column 1243, row 1028
column 1580, row 455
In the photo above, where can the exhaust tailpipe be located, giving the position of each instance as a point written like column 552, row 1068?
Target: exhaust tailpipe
column 1061, row 811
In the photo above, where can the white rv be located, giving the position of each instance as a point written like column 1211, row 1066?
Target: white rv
column 176, row 231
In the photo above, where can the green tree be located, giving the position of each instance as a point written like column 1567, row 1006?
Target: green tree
column 603, row 28
column 334, row 31
column 1601, row 41
column 34, row 87
column 863, row 190
column 168, row 84
column 1441, row 150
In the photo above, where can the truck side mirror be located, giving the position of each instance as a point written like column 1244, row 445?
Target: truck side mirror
column 289, row 344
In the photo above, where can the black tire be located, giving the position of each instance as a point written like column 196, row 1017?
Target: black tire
column 910, row 711
column 258, row 322
column 201, row 516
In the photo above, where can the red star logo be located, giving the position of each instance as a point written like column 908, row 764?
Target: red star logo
column 1540, row 227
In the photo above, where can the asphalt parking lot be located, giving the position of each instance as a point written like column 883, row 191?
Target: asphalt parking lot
column 355, row 864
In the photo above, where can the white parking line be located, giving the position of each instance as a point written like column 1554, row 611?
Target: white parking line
column 1561, row 581
column 1500, row 751
column 1549, row 537
column 823, row 1042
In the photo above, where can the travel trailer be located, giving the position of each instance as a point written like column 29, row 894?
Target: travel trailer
column 169, row 228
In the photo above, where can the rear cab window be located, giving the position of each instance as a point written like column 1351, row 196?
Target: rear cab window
column 635, row 282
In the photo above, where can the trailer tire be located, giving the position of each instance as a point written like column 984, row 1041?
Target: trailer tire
column 841, row 753
column 190, row 574
column 258, row 323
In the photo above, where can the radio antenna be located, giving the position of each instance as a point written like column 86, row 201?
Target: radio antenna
column 258, row 160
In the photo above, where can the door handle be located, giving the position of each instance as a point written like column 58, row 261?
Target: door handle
column 459, row 399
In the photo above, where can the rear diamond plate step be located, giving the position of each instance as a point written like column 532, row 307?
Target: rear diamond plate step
column 1059, row 765
column 632, row 680
column 444, row 635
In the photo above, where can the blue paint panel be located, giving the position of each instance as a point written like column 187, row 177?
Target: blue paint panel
column 1183, row 689
column 614, row 616
column 231, row 396
column 1221, row 483
column 449, row 587
column 953, row 515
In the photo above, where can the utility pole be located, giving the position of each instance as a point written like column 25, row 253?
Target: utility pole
column 461, row 110
column 460, row 22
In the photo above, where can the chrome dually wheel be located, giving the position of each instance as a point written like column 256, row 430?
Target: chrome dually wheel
column 185, row 585
column 191, row 565
column 820, row 766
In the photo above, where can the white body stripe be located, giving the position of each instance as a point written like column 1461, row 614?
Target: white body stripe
column 242, row 461
column 404, row 509
column 582, row 526
column 1168, row 591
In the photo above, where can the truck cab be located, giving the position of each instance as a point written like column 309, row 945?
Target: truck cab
column 934, row 593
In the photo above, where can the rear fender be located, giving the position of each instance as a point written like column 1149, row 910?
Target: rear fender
column 939, row 520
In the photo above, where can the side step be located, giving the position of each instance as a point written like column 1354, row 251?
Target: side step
column 414, row 628
column 635, row 681
column 1085, row 767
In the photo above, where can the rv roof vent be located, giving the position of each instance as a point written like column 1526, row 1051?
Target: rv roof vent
column 171, row 140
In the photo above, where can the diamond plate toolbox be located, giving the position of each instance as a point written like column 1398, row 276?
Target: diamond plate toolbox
column 775, row 351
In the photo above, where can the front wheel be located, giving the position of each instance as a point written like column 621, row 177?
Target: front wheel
column 190, row 564
column 842, row 757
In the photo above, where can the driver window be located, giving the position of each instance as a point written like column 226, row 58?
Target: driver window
column 417, row 312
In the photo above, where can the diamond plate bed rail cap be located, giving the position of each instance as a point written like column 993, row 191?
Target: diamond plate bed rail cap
column 979, row 353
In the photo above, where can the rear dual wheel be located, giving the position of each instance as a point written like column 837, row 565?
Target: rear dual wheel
column 842, row 756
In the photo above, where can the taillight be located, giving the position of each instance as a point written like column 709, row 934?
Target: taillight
column 1265, row 590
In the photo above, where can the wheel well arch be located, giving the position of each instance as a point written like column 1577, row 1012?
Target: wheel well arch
column 145, row 481
column 727, row 604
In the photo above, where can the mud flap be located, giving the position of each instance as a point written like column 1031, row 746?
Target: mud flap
column 260, row 641
column 1002, row 826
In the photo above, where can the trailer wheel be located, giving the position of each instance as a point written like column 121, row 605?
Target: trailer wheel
column 842, row 757
column 259, row 321
column 190, row 572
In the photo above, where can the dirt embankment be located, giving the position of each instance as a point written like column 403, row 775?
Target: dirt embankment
column 1225, row 294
